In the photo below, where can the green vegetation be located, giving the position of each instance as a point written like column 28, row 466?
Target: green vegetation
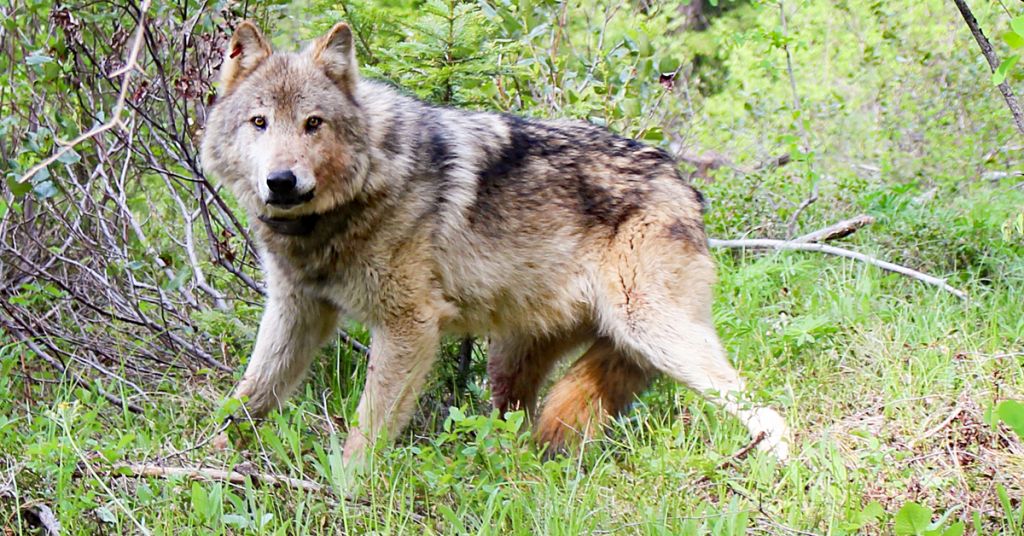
column 905, row 402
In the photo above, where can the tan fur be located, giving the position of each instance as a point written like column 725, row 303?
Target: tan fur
column 599, row 385
column 545, row 236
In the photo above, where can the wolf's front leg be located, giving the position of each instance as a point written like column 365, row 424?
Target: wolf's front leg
column 293, row 328
column 400, row 358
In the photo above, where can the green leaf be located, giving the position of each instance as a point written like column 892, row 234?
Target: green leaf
column 1004, row 68
column 668, row 65
column 1017, row 24
column 105, row 515
column 235, row 520
column 872, row 511
column 70, row 157
column 45, row 189
column 956, row 529
column 1013, row 39
column 179, row 279
column 912, row 520
column 17, row 187
column 1012, row 413
column 36, row 59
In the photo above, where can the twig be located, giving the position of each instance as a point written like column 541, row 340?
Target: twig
column 56, row 363
column 836, row 230
column 742, row 453
column 217, row 475
column 767, row 243
column 993, row 62
column 122, row 97
column 797, row 105
column 953, row 415
column 735, row 457
column 791, row 226
column 353, row 343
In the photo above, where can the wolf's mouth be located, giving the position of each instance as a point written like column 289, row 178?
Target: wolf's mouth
column 298, row 226
column 289, row 200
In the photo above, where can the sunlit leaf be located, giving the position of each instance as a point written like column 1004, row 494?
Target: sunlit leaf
column 1000, row 73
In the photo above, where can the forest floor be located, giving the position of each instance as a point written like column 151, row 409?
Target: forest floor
column 888, row 386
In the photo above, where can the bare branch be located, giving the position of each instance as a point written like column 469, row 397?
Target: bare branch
column 993, row 62
column 218, row 475
column 766, row 243
column 122, row 97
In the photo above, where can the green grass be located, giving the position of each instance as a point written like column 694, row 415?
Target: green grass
column 888, row 386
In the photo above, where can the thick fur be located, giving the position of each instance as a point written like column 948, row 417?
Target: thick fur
column 545, row 236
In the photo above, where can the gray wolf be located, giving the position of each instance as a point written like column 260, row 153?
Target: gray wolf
column 547, row 237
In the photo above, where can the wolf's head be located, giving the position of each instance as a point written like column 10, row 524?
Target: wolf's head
column 287, row 135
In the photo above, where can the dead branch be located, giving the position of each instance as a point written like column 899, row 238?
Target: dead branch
column 836, row 230
column 57, row 364
column 791, row 226
column 217, row 475
column 993, row 62
column 767, row 243
column 735, row 457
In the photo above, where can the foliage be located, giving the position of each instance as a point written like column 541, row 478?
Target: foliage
column 887, row 110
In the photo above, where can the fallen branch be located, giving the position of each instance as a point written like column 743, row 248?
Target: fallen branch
column 993, row 62
column 767, row 243
column 836, row 231
column 217, row 475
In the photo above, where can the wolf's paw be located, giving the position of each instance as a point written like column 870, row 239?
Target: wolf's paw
column 776, row 435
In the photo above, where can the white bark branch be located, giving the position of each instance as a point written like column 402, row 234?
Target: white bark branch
column 766, row 243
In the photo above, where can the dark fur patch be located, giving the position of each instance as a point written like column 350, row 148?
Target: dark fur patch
column 393, row 141
column 690, row 232
column 502, row 172
column 606, row 207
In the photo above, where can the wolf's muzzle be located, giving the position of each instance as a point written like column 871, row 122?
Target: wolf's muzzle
column 283, row 192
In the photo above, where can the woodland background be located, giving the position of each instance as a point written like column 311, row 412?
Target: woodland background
column 130, row 291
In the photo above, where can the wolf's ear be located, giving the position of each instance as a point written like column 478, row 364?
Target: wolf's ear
column 247, row 50
column 336, row 54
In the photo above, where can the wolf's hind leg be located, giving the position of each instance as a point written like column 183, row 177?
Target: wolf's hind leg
column 655, row 304
column 293, row 328
column 518, row 365
column 599, row 385
column 691, row 353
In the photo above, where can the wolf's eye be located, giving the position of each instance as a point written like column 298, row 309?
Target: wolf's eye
column 259, row 122
column 313, row 123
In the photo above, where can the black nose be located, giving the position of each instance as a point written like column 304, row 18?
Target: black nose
column 281, row 182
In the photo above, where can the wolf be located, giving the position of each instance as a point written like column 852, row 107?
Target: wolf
column 550, row 238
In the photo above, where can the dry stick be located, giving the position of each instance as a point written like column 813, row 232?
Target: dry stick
column 993, row 62
column 736, row 456
column 791, row 226
column 218, row 475
column 836, row 230
column 122, row 98
column 767, row 243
